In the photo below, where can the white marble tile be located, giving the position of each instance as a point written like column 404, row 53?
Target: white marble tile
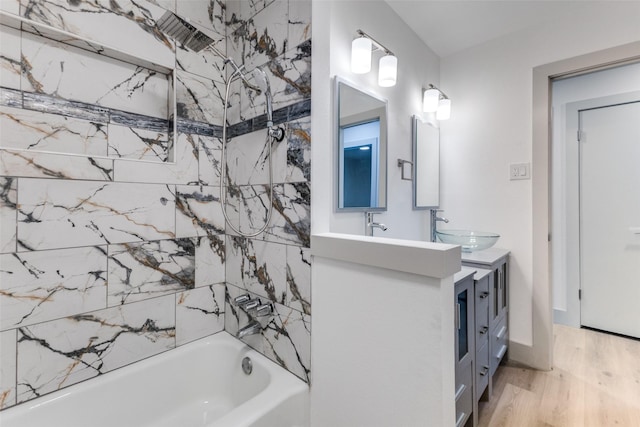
column 199, row 312
column 8, row 214
column 44, row 285
column 248, row 159
column 234, row 102
column 198, row 211
column 248, row 209
column 207, row 13
column 138, row 144
column 11, row 6
column 75, row 74
column 299, row 279
column 126, row 25
column 45, row 165
column 205, row 63
column 210, row 260
column 292, row 225
column 183, row 171
column 288, row 341
column 61, row 213
column 257, row 266
column 299, row 150
column 8, row 366
column 210, row 152
column 299, row 22
column 200, row 99
column 36, row 131
column 261, row 38
column 139, row 271
column 63, row 352
column 10, row 62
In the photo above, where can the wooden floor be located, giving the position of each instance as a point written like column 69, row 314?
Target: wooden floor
column 595, row 382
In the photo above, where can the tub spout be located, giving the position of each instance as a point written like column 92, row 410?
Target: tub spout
column 254, row 327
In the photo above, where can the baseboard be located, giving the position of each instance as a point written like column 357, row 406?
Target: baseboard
column 524, row 355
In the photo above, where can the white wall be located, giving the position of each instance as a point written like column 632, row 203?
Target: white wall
column 491, row 126
column 334, row 27
column 565, row 244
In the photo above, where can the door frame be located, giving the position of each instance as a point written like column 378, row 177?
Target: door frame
column 540, row 354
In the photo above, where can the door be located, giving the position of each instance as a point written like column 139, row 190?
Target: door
column 610, row 218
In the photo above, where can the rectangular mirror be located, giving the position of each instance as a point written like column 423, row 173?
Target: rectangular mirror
column 426, row 165
column 361, row 141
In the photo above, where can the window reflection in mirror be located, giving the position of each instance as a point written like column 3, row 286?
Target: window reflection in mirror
column 426, row 164
column 362, row 149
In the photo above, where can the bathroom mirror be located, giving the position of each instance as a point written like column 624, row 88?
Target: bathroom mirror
column 426, row 164
column 361, row 142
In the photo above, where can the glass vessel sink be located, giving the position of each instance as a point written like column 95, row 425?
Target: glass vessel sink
column 469, row 240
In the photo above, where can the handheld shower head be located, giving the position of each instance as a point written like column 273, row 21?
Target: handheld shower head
column 261, row 79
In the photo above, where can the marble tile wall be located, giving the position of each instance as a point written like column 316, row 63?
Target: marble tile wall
column 113, row 245
column 274, row 266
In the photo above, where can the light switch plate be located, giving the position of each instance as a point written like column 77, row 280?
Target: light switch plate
column 519, row 171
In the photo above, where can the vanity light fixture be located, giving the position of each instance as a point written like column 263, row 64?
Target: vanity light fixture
column 361, row 49
column 435, row 100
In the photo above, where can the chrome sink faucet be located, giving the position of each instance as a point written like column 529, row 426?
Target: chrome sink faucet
column 434, row 222
column 369, row 224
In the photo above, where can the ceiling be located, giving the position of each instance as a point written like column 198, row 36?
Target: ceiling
column 450, row 26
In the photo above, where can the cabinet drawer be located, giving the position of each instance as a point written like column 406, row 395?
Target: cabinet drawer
column 482, row 321
column 483, row 370
column 498, row 344
column 464, row 404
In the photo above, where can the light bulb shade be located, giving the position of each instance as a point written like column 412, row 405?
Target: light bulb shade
column 430, row 100
column 388, row 71
column 361, row 55
column 444, row 109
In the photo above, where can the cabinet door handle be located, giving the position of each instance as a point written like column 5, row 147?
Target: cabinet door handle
column 484, row 371
column 460, row 419
column 501, row 333
column 460, row 390
column 502, row 351
column 483, row 330
column 484, row 295
column 458, row 325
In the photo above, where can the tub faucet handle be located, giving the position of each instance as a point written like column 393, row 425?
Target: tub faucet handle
column 251, row 304
column 242, row 299
column 264, row 310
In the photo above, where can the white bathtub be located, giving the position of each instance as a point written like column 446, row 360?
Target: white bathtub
column 198, row 384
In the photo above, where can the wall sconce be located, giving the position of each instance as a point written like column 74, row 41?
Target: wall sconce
column 436, row 101
column 361, row 49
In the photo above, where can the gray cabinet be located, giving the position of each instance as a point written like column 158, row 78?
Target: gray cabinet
column 482, row 306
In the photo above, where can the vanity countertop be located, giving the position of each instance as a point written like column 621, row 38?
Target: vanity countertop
column 411, row 256
column 486, row 257
column 464, row 273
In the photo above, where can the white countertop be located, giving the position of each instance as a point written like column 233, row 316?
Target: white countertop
column 437, row 260
column 486, row 257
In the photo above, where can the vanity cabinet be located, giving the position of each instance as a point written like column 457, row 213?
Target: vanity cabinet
column 482, row 334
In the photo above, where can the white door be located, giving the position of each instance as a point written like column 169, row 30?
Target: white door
column 610, row 218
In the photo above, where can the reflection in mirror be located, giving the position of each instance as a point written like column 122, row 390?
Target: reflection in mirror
column 361, row 137
column 426, row 165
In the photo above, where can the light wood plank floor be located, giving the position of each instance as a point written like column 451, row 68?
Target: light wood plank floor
column 595, row 382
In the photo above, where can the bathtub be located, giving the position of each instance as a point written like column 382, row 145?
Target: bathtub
column 198, row 384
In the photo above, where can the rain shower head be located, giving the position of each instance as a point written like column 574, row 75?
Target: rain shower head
column 182, row 31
